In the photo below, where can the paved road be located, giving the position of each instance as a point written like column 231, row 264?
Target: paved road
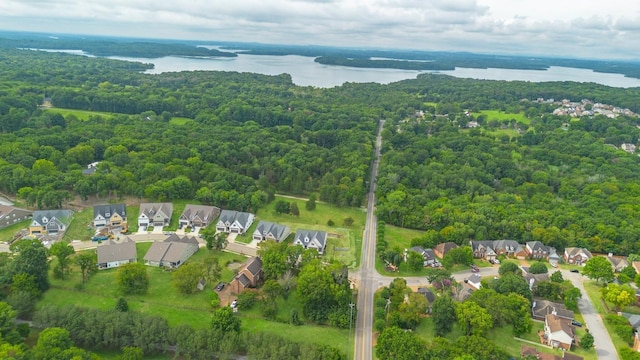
column 367, row 286
column 601, row 339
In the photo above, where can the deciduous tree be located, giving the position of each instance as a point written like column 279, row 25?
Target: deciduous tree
column 598, row 268
column 443, row 313
column 473, row 318
column 62, row 251
column 88, row 264
column 133, row 279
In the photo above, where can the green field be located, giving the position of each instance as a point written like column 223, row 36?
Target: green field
column 501, row 115
column 344, row 243
column 85, row 115
column 7, row 234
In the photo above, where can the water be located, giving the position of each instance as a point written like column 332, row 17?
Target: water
column 305, row 72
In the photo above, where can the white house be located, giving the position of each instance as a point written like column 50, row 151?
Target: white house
column 311, row 239
column 234, row 221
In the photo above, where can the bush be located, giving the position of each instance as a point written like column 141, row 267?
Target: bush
column 269, row 310
column 621, row 327
column 330, row 223
column 587, row 341
column 215, row 300
column 247, row 299
column 295, row 318
column 379, row 325
column 122, row 305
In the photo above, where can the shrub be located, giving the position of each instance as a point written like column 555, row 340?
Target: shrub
column 247, row 299
column 215, row 300
column 295, row 317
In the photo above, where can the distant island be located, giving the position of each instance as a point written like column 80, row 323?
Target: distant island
column 336, row 56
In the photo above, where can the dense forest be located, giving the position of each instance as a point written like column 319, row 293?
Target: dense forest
column 236, row 139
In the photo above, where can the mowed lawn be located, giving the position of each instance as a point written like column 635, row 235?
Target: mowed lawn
column 101, row 291
column 85, row 115
column 399, row 238
column 344, row 243
column 501, row 115
column 7, row 234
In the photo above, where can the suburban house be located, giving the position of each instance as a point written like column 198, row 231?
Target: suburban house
column 91, row 168
column 541, row 308
column 442, row 249
column 474, row 281
column 234, row 222
column 536, row 250
column 509, row 248
column 529, row 351
column 558, row 332
column 271, row 231
column 249, row 275
column 578, row 256
column 172, row 252
column 113, row 216
column 553, row 257
column 50, row 222
column 155, row 214
column 463, row 294
column 113, row 254
column 428, row 255
column 483, row 249
column 10, row 215
column 428, row 294
column 618, row 262
column 311, row 239
column 198, row 216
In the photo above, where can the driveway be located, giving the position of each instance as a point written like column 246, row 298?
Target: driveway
column 602, row 341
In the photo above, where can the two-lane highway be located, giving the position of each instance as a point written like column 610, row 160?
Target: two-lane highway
column 367, row 286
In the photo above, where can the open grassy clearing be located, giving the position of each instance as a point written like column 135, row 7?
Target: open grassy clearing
column 80, row 227
column 501, row 115
column 344, row 243
column 7, row 234
column 85, row 115
column 162, row 299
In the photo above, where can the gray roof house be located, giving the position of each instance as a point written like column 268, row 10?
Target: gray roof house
column 198, row 215
column 172, row 252
column 311, row 239
column 537, row 250
column 475, row 281
column 271, row 231
column 10, row 215
column 234, row 221
column 50, row 222
column 618, row 262
column 155, row 214
column 428, row 255
column 109, row 215
column 483, row 249
column 541, row 308
column 112, row 254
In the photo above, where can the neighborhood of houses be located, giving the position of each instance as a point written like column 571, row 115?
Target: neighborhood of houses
column 115, row 246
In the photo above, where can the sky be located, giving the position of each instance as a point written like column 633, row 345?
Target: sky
column 565, row 28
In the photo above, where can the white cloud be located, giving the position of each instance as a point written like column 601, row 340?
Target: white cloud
column 568, row 27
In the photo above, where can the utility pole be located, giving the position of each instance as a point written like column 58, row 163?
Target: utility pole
column 349, row 341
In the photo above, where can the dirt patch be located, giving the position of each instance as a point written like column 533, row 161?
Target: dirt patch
column 78, row 204
column 333, row 235
column 234, row 265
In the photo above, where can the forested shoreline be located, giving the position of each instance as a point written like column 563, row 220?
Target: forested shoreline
column 246, row 136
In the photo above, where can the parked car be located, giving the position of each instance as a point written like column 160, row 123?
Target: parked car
column 475, row 270
column 496, row 261
column 491, row 261
column 576, row 323
column 220, row 286
column 575, row 271
column 100, row 238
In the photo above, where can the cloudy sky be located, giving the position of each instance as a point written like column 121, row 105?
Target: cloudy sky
column 567, row 28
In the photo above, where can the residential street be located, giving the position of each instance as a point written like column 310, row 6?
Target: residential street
column 602, row 340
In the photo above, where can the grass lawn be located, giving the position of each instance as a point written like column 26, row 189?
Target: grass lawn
column 344, row 243
column 86, row 114
column 161, row 300
column 7, row 234
column 80, row 227
column 80, row 114
column 501, row 115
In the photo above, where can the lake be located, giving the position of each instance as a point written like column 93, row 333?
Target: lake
column 305, row 72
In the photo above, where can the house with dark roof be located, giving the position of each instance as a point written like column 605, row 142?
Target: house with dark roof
column 155, row 214
column 113, row 216
column 234, row 222
column 112, row 254
column 536, row 250
column 50, row 222
column 428, row 255
column 172, row 252
column 311, row 239
column 558, row 332
column 541, row 308
column 534, row 279
column 617, row 262
column 443, row 248
column 10, row 215
column 431, row 297
column 509, row 248
column 249, row 275
column 198, row 216
column 483, row 249
column 578, row 256
column 530, row 351
column 271, row 231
